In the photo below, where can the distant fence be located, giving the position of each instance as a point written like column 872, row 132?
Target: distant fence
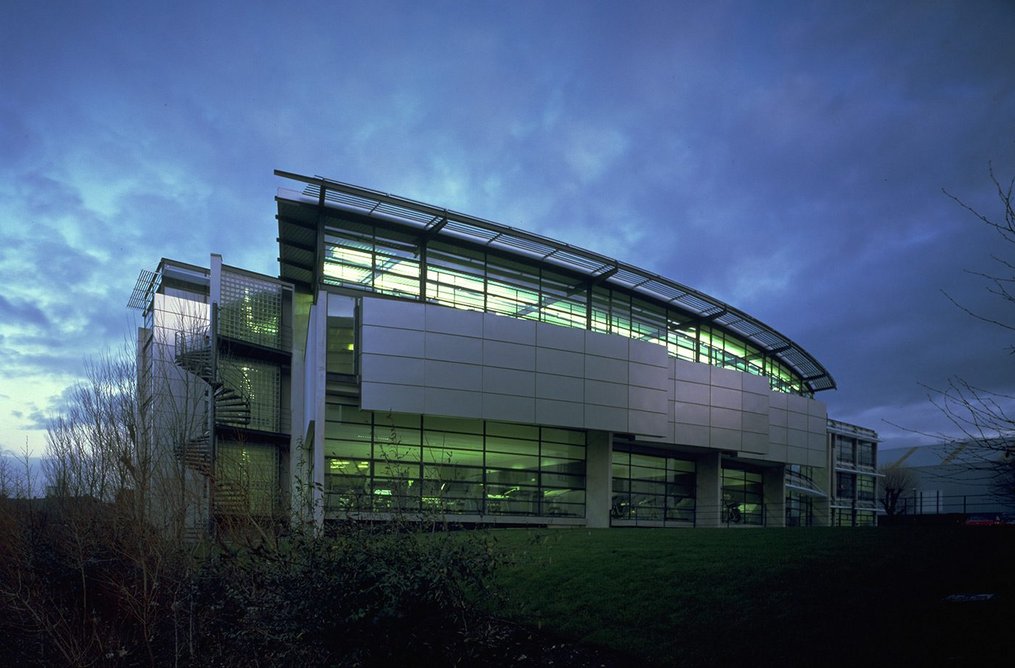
column 933, row 507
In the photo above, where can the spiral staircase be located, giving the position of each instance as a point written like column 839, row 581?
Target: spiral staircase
column 194, row 354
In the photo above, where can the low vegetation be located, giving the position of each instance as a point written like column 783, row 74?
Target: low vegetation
column 78, row 587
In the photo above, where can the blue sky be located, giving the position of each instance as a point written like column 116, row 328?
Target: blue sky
column 785, row 157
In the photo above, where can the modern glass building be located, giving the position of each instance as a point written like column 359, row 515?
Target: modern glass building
column 410, row 359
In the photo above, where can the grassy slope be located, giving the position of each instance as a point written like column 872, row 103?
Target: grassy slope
column 768, row 597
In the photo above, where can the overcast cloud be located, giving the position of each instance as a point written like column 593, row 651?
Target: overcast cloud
column 785, row 157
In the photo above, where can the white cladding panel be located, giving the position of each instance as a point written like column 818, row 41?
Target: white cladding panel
column 480, row 365
column 439, row 360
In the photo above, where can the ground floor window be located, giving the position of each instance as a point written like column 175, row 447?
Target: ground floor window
column 799, row 510
column 865, row 489
column 743, row 496
column 397, row 462
column 845, row 486
column 652, row 487
column 853, row 517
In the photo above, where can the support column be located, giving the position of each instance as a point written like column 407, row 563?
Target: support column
column 774, row 480
column 598, row 479
column 316, row 364
column 301, row 443
column 708, row 505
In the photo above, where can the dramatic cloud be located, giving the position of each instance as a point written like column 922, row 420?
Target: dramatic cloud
column 788, row 158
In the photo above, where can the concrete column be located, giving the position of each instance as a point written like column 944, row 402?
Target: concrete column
column 299, row 448
column 774, row 481
column 708, row 505
column 316, row 365
column 215, row 279
column 598, row 479
column 822, row 512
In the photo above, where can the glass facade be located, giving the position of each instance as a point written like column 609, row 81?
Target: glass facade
column 855, row 478
column 652, row 488
column 799, row 510
column 851, row 517
column 398, row 462
column 743, row 497
column 375, row 258
column 854, row 452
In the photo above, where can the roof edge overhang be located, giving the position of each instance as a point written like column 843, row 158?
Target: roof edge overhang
column 440, row 222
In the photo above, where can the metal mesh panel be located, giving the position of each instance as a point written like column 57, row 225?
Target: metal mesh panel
column 251, row 310
column 258, row 386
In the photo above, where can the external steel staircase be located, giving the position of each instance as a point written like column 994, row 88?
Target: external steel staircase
column 194, row 354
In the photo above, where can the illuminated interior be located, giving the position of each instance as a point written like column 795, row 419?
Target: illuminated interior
column 372, row 258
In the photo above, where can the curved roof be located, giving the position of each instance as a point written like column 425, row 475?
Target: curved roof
column 298, row 260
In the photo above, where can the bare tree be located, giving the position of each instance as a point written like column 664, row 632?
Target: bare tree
column 985, row 417
column 92, row 570
column 895, row 482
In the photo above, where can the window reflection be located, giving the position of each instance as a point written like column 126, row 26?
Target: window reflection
column 379, row 463
column 652, row 488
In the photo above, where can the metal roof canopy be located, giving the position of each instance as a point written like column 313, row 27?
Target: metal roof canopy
column 427, row 218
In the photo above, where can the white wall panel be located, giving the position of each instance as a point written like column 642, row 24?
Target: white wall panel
column 476, row 365
column 724, row 397
column 392, row 341
column 606, row 369
column 561, row 362
column 606, row 345
column 508, row 407
column 692, row 393
column 451, row 348
column 509, row 355
column 648, row 400
column 726, row 378
column 389, row 369
column 509, row 381
column 391, row 397
column 438, row 373
column 564, row 388
column 560, row 413
column 512, row 330
column 560, row 338
column 453, row 321
column 459, row 403
column 691, row 413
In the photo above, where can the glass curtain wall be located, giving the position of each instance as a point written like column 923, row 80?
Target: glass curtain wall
column 652, row 488
column 377, row 259
column 799, row 510
column 743, row 497
column 396, row 462
column 853, row 517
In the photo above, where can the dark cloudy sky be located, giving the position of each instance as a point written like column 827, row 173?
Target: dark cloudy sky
column 785, row 157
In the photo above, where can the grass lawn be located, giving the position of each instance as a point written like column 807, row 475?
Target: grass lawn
column 816, row 597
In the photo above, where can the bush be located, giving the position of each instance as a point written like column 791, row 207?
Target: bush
column 78, row 588
column 363, row 595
